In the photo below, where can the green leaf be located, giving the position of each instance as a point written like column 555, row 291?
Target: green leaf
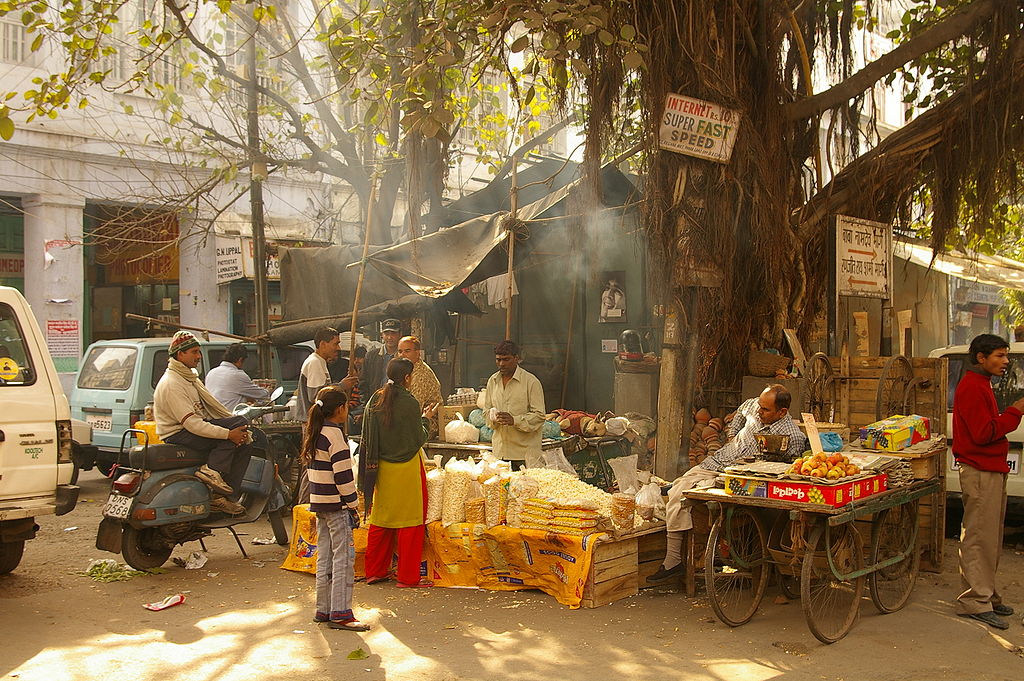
column 633, row 60
column 358, row 654
column 6, row 128
column 37, row 43
column 520, row 43
column 627, row 32
column 606, row 37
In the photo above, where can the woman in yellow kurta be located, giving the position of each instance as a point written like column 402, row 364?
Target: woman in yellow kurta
column 392, row 478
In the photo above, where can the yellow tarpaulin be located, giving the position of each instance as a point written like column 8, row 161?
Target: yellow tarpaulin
column 501, row 558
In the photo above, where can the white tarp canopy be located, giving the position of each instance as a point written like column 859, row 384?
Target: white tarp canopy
column 986, row 269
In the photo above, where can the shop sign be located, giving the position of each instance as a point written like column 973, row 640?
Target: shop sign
column 976, row 292
column 229, row 259
column 273, row 264
column 12, row 266
column 698, row 128
column 863, row 258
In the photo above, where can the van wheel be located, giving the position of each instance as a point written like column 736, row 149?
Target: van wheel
column 144, row 549
column 277, row 524
column 10, row 555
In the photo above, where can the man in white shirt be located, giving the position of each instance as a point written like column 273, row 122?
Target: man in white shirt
column 517, row 398
column 314, row 374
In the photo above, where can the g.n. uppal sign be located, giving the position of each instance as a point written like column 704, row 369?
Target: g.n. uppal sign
column 698, row 128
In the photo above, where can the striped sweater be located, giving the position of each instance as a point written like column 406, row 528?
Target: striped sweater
column 332, row 484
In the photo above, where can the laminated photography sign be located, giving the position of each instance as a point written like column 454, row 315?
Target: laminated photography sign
column 863, row 258
column 698, row 128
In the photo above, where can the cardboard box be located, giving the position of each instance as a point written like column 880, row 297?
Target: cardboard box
column 895, row 433
column 835, row 495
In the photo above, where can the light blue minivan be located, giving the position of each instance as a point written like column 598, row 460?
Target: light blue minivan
column 117, row 378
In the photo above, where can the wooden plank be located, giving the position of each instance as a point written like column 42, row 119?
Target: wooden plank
column 612, row 569
column 799, row 358
column 594, row 596
column 608, row 550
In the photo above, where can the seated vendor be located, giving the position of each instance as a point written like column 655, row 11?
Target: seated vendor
column 767, row 414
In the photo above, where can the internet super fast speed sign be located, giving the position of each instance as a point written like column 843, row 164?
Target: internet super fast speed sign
column 698, row 128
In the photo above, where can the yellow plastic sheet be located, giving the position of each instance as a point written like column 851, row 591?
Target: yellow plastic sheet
column 302, row 550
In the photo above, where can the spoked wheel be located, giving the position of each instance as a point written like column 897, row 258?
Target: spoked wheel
column 821, row 388
column 893, row 534
column 736, row 566
column 897, row 388
column 831, row 603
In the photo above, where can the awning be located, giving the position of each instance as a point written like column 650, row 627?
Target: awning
column 986, row 269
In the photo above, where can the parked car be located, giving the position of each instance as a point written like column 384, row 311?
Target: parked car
column 117, row 379
column 1008, row 389
column 36, row 467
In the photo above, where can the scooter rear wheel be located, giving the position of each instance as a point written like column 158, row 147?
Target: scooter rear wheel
column 144, row 549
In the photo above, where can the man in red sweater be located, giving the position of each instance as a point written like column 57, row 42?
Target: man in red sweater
column 980, row 447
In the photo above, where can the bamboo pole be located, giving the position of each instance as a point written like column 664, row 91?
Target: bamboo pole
column 362, row 273
column 175, row 325
column 514, row 205
column 568, row 338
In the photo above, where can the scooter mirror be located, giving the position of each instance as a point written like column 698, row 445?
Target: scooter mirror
column 278, row 391
column 240, row 409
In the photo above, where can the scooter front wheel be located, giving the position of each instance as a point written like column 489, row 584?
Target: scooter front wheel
column 144, row 549
column 277, row 524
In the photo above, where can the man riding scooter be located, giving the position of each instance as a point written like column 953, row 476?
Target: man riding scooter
column 187, row 414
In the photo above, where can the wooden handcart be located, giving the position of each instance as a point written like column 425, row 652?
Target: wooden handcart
column 816, row 551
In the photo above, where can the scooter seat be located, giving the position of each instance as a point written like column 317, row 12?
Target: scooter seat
column 164, row 457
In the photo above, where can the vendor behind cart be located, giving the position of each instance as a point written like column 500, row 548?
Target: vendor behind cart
column 767, row 414
column 514, row 408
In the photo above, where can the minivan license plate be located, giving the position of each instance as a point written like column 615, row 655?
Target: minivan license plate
column 117, row 506
column 99, row 422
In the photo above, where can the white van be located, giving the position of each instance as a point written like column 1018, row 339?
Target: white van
column 36, row 438
column 1008, row 389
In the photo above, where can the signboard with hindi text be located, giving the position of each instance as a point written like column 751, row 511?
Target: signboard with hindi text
column 698, row 128
column 863, row 258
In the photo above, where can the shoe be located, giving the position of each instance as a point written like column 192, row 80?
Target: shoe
column 214, row 481
column 225, row 505
column 662, row 574
column 421, row 583
column 990, row 618
column 348, row 625
column 1002, row 610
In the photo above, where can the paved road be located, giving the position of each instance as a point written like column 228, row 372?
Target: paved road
column 247, row 619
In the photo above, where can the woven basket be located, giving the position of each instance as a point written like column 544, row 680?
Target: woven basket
column 765, row 364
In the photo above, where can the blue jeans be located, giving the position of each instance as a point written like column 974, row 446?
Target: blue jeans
column 335, row 560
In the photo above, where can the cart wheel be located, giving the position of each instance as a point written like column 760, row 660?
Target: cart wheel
column 894, row 532
column 789, row 585
column 736, row 567
column 895, row 387
column 821, row 388
column 831, row 605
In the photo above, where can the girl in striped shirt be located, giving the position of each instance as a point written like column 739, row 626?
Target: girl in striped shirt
column 332, row 497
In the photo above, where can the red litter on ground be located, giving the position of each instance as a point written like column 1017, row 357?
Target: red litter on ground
column 168, row 602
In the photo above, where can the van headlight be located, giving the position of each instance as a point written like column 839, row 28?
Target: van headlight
column 64, row 439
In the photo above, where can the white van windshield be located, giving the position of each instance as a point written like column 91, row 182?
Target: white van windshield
column 1008, row 389
column 15, row 362
column 108, row 368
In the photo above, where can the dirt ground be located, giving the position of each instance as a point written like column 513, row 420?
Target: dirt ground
column 246, row 619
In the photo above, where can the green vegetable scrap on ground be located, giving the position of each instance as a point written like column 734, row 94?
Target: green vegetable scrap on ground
column 109, row 570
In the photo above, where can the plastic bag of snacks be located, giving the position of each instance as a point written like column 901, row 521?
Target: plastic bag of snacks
column 461, row 431
column 496, row 499
column 624, row 468
column 521, row 488
column 623, row 510
column 648, row 499
column 554, row 459
column 475, row 504
column 457, row 477
column 435, row 494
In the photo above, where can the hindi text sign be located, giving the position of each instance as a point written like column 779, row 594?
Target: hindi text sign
column 698, row 128
column 863, row 258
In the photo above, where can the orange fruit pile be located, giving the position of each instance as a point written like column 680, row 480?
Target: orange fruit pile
column 828, row 466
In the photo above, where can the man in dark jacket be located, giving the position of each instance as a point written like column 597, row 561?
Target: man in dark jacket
column 373, row 375
column 980, row 447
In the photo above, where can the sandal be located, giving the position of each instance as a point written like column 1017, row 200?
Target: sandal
column 374, row 580
column 348, row 625
column 421, row 583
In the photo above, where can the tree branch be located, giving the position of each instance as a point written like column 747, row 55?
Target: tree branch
column 948, row 29
column 528, row 146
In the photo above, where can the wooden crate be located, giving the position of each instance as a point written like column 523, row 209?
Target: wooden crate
column 615, row 568
column 857, row 379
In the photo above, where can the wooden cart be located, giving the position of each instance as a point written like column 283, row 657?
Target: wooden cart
column 817, row 552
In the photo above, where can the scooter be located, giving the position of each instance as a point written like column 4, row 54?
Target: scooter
column 157, row 502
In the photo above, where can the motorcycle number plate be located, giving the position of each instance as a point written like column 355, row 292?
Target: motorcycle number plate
column 117, row 506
